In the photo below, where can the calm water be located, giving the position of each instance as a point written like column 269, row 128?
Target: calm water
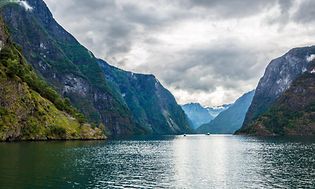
column 167, row 162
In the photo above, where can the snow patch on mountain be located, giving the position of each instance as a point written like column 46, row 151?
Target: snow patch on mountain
column 199, row 115
column 216, row 110
column 1, row 45
column 310, row 58
column 22, row 3
column 25, row 5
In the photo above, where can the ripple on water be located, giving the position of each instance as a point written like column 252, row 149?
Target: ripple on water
column 168, row 162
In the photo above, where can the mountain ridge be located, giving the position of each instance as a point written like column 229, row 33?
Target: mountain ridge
column 30, row 109
column 231, row 119
column 153, row 106
column 75, row 72
column 276, row 85
column 199, row 115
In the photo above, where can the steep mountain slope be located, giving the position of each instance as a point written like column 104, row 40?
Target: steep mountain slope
column 293, row 113
column 197, row 114
column 67, row 65
column 29, row 108
column 230, row 120
column 154, row 108
column 278, row 77
column 77, row 75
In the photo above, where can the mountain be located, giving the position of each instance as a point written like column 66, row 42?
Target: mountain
column 275, row 108
column 216, row 110
column 75, row 73
column 153, row 107
column 65, row 64
column 199, row 115
column 279, row 75
column 231, row 119
column 30, row 109
column 292, row 114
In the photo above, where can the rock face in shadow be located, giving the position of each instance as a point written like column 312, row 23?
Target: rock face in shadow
column 293, row 113
column 274, row 92
column 153, row 107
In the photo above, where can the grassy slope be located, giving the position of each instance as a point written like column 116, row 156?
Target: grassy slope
column 29, row 108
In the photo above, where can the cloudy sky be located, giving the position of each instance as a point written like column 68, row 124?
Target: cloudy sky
column 207, row 51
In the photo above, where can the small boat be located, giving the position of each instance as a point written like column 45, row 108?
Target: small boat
column 184, row 135
column 208, row 134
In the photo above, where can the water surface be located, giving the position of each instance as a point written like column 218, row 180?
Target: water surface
column 198, row 161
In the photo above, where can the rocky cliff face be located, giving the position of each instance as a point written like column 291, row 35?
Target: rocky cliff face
column 29, row 108
column 284, row 96
column 293, row 113
column 76, row 74
column 230, row 120
column 68, row 66
column 278, row 77
column 153, row 107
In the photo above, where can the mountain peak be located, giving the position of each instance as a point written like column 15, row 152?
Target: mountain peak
column 195, row 104
column 126, row 103
column 200, row 115
column 278, row 78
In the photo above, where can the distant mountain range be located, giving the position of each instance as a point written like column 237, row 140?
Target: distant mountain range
column 216, row 110
column 231, row 119
column 199, row 115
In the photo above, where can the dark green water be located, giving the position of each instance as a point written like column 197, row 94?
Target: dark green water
column 167, row 162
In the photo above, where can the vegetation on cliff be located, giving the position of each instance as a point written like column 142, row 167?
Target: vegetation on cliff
column 292, row 114
column 29, row 108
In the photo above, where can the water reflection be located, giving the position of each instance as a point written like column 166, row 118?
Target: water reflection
column 196, row 161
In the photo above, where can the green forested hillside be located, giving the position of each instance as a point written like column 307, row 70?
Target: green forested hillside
column 292, row 114
column 29, row 108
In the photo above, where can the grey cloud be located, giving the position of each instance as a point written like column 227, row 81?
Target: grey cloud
column 306, row 12
column 225, row 64
column 113, row 28
column 231, row 9
column 214, row 66
column 115, row 25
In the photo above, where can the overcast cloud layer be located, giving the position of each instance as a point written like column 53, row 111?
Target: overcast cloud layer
column 207, row 51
